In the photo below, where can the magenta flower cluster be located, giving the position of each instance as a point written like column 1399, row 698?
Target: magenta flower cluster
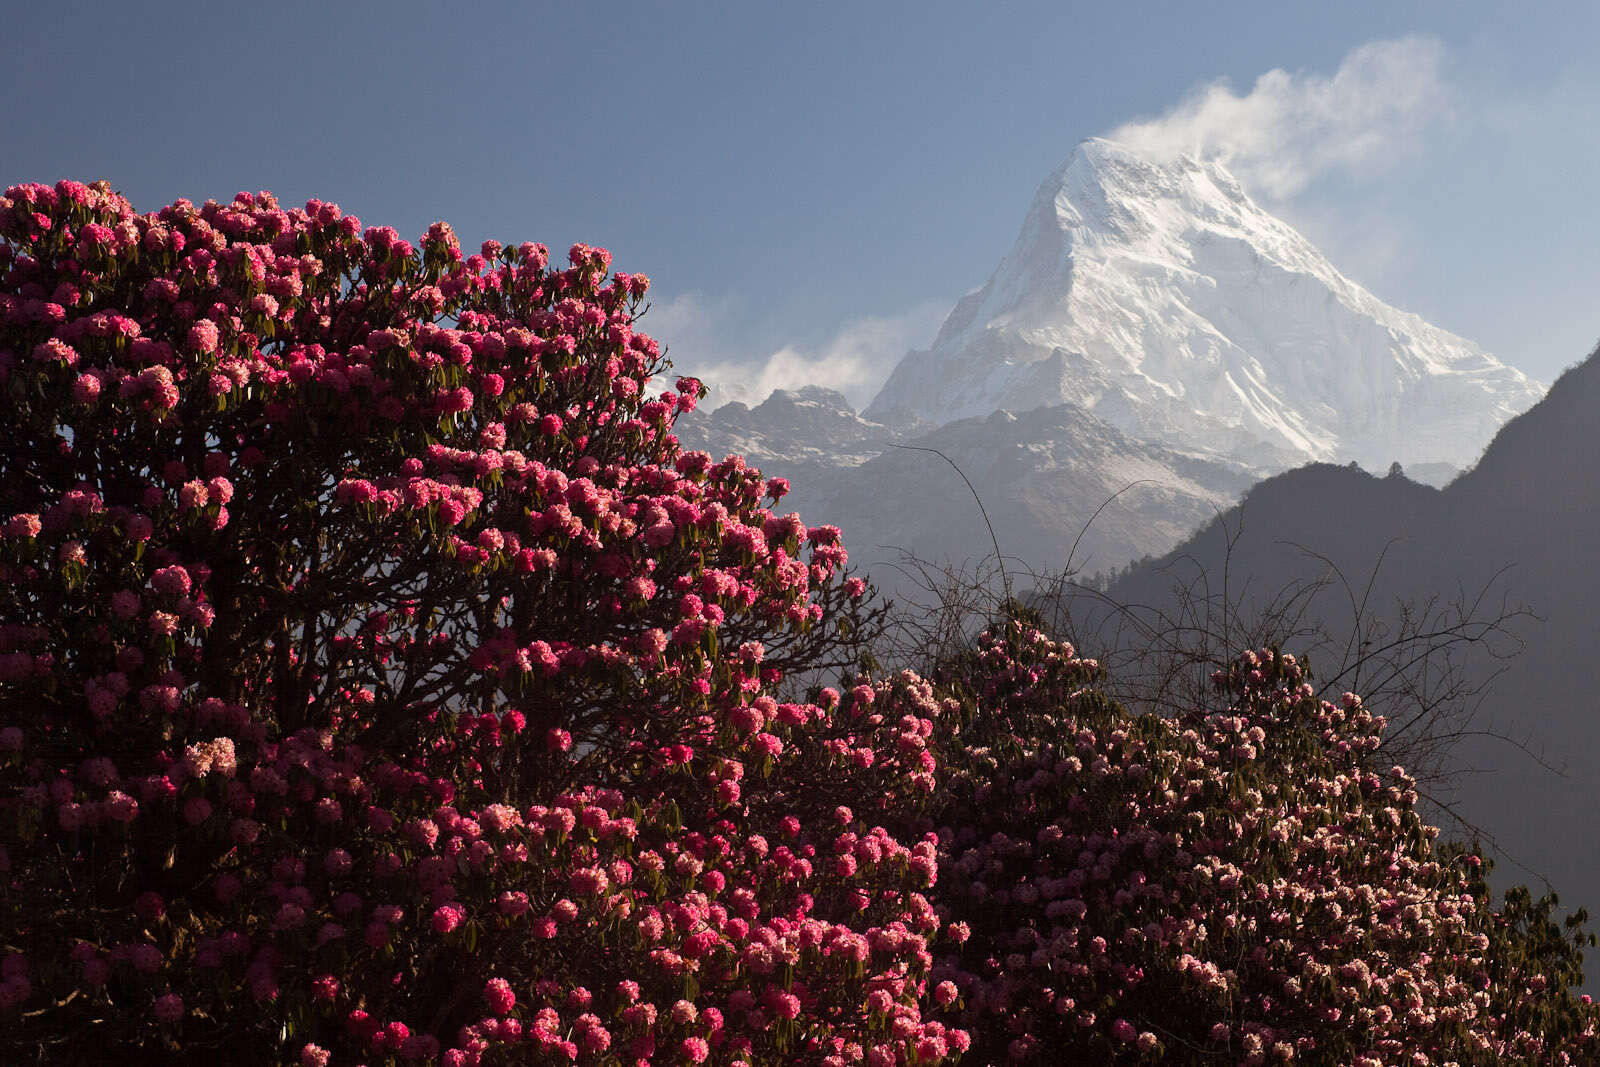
column 376, row 669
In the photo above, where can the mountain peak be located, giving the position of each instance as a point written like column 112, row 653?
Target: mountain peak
column 1159, row 296
column 1108, row 159
column 1104, row 150
column 1095, row 150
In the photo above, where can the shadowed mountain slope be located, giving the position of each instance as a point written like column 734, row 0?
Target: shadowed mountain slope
column 1524, row 525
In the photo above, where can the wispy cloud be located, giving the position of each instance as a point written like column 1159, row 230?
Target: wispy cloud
column 855, row 360
column 1290, row 128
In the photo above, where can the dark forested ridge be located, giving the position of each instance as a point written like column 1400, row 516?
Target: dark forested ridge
column 1519, row 530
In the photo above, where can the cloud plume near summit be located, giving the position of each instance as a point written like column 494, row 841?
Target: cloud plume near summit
column 1291, row 128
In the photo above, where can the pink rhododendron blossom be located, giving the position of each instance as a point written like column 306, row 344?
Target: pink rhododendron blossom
column 499, row 996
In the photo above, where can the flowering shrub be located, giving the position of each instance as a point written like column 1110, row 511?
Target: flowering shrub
column 380, row 682
column 1236, row 886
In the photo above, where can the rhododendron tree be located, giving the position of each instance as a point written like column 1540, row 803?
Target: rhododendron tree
column 1235, row 885
column 380, row 682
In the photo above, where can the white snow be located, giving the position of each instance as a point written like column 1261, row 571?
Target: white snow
column 1164, row 300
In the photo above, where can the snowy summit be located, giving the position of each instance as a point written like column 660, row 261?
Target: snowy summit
column 1161, row 298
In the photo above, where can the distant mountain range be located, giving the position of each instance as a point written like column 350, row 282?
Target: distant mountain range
column 1040, row 475
column 1153, row 333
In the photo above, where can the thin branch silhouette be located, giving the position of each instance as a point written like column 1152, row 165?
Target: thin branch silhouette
column 1005, row 580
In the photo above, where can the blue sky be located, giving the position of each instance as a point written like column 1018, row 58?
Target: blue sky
column 812, row 185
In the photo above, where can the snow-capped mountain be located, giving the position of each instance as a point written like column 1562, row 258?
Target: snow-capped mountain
column 1155, row 342
column 1163, row 300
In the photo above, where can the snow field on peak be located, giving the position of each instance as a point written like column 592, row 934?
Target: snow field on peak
column 1164, row 300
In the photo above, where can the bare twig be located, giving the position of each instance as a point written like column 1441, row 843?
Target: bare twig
column 1005, row 581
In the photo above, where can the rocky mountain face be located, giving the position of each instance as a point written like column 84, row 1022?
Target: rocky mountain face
column 805, row 429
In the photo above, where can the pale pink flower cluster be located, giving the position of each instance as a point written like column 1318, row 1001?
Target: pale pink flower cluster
column 1127, row 880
